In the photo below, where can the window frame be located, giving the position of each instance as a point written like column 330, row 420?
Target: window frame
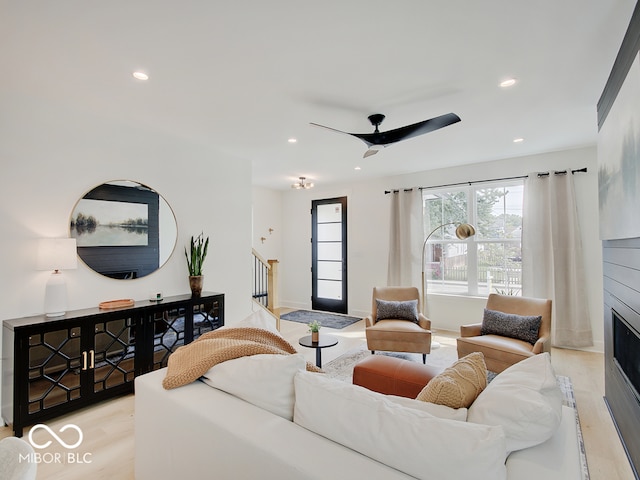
column 473, row 242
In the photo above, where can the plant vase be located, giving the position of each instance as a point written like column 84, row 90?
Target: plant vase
column 315, row 337
column 195, row 283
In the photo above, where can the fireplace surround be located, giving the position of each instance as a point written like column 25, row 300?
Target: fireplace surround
column 622, row 341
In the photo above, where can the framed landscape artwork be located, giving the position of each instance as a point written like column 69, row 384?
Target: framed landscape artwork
column 619, row 161
column 104, row 223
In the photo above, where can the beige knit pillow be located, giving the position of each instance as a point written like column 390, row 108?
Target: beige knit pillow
column 459, row 385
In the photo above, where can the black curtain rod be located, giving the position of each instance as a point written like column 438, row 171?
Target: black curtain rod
column 541, row 174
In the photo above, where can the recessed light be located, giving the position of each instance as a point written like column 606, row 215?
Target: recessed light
column 509, row 82
column 140, row 76
column 518, row 140
column 292, row 140
column 357, row 168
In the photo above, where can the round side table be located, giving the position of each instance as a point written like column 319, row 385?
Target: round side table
column 324, row 341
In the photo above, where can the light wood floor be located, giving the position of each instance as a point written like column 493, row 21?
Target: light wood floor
column 108, row 427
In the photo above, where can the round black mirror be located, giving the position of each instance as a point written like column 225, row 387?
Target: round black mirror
column 123, row 229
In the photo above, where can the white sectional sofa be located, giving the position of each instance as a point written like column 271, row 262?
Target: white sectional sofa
column 200, row 432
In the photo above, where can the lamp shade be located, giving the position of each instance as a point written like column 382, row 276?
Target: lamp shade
column 57, row 254
column 465, row 230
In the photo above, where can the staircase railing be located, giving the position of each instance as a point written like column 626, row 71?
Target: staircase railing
column 265, row 284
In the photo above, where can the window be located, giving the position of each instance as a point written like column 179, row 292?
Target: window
column 488, row 262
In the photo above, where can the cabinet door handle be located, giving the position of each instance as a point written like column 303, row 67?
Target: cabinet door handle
column 92, row 363
column 84, row 360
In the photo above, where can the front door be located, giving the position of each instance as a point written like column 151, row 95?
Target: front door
column 329, row 255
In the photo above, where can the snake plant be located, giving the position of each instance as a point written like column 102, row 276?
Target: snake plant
column 195, row 259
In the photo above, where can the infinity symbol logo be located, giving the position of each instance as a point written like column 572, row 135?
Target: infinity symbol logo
column 53, row 434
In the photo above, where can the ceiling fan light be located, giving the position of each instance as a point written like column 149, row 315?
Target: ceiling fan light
column 140, row 76
column 509, row 82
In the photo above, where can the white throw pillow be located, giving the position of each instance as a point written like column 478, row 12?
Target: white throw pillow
column 265, row 381
column 409, row 440
column 258, row 319
column 525, row 400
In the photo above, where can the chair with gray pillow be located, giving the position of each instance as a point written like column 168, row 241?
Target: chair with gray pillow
column 396, row 324
column 513, row 328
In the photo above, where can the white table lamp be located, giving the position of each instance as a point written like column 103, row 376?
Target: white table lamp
column 56, row 254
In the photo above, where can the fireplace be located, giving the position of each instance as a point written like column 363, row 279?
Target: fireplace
column 626, row 352
column 622, row 342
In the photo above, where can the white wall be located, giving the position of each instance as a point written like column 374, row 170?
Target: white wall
column 368, row 240
column 267, row 214
column 50, row 155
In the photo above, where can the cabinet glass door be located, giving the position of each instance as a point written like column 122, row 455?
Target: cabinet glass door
column 55, row 362
column 207, row 316
column 112, row 358
column 168, row 334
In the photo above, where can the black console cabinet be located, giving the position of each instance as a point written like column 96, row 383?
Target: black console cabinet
column 52, row 366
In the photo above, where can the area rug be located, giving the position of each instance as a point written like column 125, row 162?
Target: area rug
column 329, row 320
column 342, row 369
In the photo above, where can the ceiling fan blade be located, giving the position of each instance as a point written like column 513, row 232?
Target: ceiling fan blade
column 329, row 128
column 344, row 133
column 408, row 131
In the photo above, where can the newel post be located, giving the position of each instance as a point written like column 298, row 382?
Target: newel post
column 273, row 303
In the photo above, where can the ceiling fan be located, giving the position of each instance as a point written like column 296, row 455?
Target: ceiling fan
column 377, row 140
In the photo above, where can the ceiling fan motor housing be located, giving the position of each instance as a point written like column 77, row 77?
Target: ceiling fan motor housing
column 376, row 119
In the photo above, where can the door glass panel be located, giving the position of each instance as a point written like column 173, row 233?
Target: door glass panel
column 331, row 212
column 330, row 289
column 330, row 251
column 329, row 232
column 329, row 270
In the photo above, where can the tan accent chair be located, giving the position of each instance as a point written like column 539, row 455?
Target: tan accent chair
column 398, row 335
column 502, row 352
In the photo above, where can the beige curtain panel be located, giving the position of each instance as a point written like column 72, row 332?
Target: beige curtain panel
column 406, row 233
column 552, row 259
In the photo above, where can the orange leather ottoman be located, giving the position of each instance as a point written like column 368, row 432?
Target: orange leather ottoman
column 393, row 376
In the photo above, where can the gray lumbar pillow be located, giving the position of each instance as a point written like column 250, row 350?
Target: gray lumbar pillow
column 511, row 325
column 393, row 310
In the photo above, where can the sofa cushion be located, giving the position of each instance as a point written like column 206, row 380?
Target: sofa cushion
column 395, row 310
column 510, row 325
column 525, row 400
column 258, row 319
column 459, row 385
column 406, row 439
column 265, row 381
column 440, row 411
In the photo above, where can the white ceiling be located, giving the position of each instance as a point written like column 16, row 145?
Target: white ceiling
column 244, row 76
